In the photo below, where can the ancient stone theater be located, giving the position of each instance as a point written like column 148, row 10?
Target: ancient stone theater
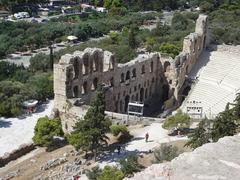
column 150, row 78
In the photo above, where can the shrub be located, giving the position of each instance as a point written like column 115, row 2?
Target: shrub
column 45, row 129
column 169, row 49
column 122, row 132
column 130, row 165
column 165, row 153
column 111, row 173
column 116, row 129
column 179, row 119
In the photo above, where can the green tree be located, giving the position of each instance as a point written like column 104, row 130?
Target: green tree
column 224, row 124
column 179, row 119
column 130, row 165
column 45, row 129
column 111, row 173
column 42, row 86
column 201, row 135
column 93, row 128
column 169, row 49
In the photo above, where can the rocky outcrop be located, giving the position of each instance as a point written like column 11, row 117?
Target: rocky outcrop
column 212, row 161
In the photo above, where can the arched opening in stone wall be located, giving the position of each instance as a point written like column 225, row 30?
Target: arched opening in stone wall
column 137, row 97
column 85, row 67
column 121, row 106
column 134, row 73
column 166, row 66
column 111, row 82
column 141, row 95
column 84, row 88
column 116, row 106
column 112, row 63
column 95, row 62
column 122, row 78
column 133, row 98
column 95, row 84
column 151, row 67
column 126, row 103
column 143, row 69
column 165, row 92
column 150, row 91
column 127, row 75
column 75, row 91
column 76, row 68
column 146, row 93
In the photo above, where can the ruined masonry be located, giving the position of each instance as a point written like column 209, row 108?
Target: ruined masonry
column 150, row 78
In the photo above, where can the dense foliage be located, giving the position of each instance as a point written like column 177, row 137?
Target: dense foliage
column 121, row 132
column 107, row 173
column 201, row 134
column 21, row 36
column 180, row 120
column 90, row 132
column 130, row 165
column 18, row 84
column 45, row 130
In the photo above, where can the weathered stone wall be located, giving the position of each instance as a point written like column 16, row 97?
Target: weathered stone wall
column 149, row 78
column 22, row 150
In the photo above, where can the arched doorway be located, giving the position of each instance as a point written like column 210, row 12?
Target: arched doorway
column 75, row 91
column 141, row 95
column 126, row 103
column 165, row 92
column 185, row 93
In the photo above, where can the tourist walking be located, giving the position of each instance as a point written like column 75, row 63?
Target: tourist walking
column 146, row 137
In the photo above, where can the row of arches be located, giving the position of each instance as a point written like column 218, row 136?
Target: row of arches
column 133, row 73
column 85, row 88
column 90, row 64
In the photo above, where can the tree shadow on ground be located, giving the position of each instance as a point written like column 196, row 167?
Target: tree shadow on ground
column 111, row 155
column 5, row 124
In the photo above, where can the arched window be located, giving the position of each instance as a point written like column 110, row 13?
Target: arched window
column 112, row 63
column 111, row 82
column 95, row 84
column 84, row 88
column 76, row 68
column 166, row 66
column 143, row 69
column 122, row 78
column 146, row 93
column 95, row 62
column 128, row 75
column 75, row 91
column 151, row 67
column 153, row 80
column 85, row 67
column 134, row 73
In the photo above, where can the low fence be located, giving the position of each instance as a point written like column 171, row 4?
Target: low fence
column 130, row 119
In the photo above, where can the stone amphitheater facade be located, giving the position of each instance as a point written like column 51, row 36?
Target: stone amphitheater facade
column 149, row 78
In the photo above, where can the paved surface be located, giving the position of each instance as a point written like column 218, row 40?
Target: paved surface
column 137, row 146
column 15, row 131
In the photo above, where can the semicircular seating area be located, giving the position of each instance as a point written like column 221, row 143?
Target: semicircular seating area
column 217, row 75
